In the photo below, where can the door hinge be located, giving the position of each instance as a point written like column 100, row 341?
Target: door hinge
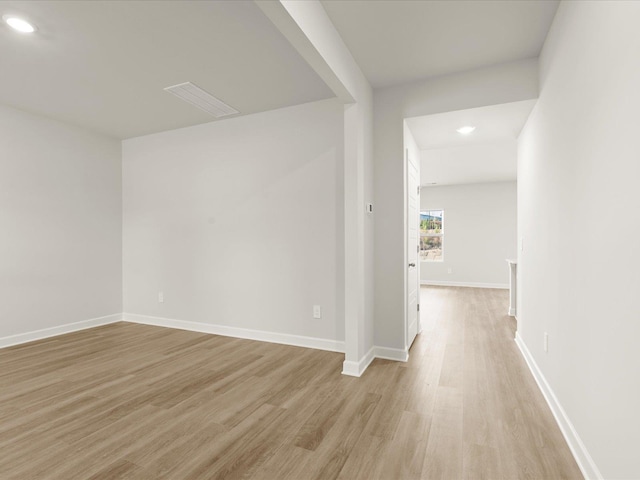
column 417, row 248
column 418, row 307
column 418, row 188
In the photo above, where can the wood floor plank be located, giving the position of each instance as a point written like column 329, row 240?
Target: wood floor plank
column 141, row 402
column 283, row 463
column 366, row 461
column 405, row 452
column 118, row 470
column 444, row 456
column 312, row 433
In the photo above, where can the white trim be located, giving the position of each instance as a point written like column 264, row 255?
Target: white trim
column 58, row 330
column 438, row 283
column 356, row 369
column 512, row 312
column 351, row 369
column 227, row 331
column 405, row 224
column 416, row 323
column 396, row 354
column 577, row 447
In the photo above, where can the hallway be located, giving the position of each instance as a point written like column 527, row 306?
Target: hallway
column 482, row 413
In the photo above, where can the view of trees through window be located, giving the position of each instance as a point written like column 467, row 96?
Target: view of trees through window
column 431, row 235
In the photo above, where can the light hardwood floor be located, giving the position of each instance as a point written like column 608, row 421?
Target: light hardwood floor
column 141, row 402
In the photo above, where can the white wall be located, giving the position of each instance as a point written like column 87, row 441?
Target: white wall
column 578, row 204
column 488, row 86
column 480, row 233
column 239, row 222
column 60, row 217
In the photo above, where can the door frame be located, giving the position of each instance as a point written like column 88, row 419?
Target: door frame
column 406, row 252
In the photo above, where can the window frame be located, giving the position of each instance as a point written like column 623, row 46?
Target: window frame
column 439, row 235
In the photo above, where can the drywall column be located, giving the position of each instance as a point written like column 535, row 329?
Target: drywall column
column 310, row 31
column 354, row 239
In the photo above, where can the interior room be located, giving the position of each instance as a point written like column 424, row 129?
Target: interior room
column 468, row 186
column 286, row 239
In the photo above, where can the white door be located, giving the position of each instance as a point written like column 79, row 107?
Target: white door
column 413, row 239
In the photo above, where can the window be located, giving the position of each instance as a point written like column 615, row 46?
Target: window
column 431, row 235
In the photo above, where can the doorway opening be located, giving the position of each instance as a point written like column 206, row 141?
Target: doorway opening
column 460, row 215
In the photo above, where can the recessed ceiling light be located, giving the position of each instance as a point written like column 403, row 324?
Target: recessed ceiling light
column 18, row 24
column 466, row 130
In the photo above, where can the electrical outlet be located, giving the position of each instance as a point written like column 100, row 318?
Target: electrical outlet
column 160, row 297
column 450, row 270
column 546, row 342
column 317, row 311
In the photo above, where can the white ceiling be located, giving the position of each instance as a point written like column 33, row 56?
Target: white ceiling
column 103, row 64
column 399, row 41
column 493, row 162
column 489, row 154
column 493, row 123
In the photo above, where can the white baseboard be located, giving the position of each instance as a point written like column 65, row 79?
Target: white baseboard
column 437, row 283
column 356, row 369
column 248, row 334
column 351, row 368
column 578, row 448
column 396, row 354
column 58, row 330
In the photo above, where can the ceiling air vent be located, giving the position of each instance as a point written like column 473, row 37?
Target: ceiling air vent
column 203, row 100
